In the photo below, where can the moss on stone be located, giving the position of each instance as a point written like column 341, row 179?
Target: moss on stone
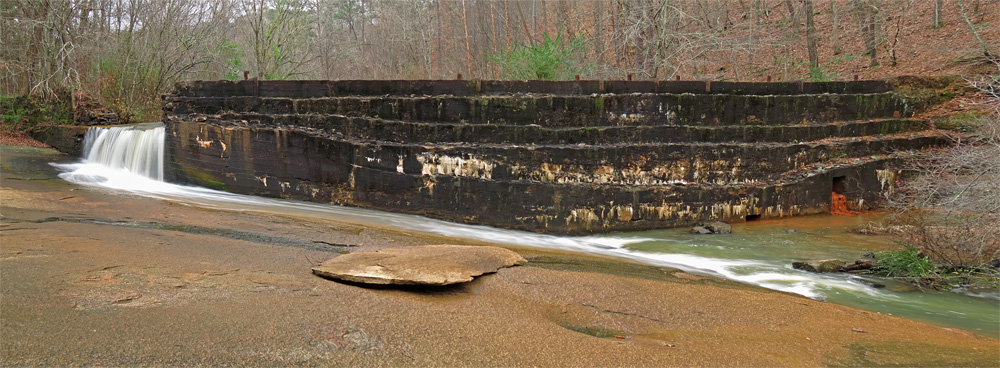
column 961, row 122
column 908, row 354
column 204, row 179
column 599, row 106
column 597, row 331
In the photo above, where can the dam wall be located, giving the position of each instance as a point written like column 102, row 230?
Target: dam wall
column 557, row 157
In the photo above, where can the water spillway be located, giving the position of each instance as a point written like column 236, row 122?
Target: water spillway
column 136, row 149
column 553, row 157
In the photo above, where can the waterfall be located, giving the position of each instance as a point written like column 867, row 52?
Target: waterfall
column 137, row 149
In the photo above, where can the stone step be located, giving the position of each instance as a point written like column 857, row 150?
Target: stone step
column 419, row 132
column 624, row 164
column 321, row 88
column 653, row 164
column 571, row 111
column 312, row 165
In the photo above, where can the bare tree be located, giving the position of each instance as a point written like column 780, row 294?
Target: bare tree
column 975, row 32
column 814, row 69
column 152, row 44
column 275, row 33
column 660, row 37
column 39, row 46
column 866, row 12
column 938, row 8
column 123, row 53
column 835, row 28
column 126, row 52
column 951, row 208
column 403, row 39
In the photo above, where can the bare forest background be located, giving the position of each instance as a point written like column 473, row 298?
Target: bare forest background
column 124, row 53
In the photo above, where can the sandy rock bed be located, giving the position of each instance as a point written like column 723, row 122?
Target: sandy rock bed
column 92, row 277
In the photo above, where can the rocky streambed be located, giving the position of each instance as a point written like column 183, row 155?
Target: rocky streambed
column 83, row 287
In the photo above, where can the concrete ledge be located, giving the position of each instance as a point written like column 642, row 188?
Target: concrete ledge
column 67, row 139
column 319, row 88
column 455, row 132
column 571, row 111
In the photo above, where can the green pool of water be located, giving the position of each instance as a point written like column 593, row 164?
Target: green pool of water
column 769, row 247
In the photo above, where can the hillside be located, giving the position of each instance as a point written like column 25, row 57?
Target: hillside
column 121, row 56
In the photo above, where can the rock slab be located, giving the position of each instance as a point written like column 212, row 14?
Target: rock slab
column 821, row 266
column 421, row 265
column 714, row 227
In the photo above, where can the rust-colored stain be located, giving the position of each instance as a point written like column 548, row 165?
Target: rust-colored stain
column 838, row 205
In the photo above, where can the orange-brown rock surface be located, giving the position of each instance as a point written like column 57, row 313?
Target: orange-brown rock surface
column 440, row 264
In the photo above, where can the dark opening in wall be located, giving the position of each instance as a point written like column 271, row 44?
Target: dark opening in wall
column 752, row 217
column 839, row 184
column 838, row 201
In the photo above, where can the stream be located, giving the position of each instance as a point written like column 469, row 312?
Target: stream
column 759, row 252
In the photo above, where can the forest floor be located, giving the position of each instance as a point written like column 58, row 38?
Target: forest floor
column 919, row 49
column 19, row 139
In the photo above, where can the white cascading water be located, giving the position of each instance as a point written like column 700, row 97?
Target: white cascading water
column 135, row 149
column 123, row 157
column 130, row 158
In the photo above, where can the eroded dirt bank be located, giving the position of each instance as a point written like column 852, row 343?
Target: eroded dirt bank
column 90, row 277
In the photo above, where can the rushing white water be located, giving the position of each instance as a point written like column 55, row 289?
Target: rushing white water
column 136, row 149
column 113, row 160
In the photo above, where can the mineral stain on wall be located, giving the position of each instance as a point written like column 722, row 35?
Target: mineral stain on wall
column 556, row 157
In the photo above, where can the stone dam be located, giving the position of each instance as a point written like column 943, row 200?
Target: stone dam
column 571, row 157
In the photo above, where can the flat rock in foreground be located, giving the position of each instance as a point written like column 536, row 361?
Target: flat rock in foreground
column 422, row 265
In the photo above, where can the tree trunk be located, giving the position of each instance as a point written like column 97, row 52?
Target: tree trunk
column 791, row 10
column 807, row 8
column 834, row 32
column 493, row 29
column 871, row 41
column 468, row 50
column 865, row 12
column 972, row 27
column 506, row 17
column 440, row 36
column 938, row 4
column 600, row 32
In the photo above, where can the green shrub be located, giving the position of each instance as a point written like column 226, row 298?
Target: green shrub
column 819, row 74
column 13, row 113
column 20, row 113
column 907, row 263
column 233, row 55
column 128, row 87
column 550, row 59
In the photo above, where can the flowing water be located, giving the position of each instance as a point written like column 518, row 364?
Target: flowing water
column 759, row 253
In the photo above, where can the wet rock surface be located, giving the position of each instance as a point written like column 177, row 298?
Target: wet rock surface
column 714, row 227
column 700, row 230
column 857, row 266
column 424, row 265
column 79, row 293
column 823, row 265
